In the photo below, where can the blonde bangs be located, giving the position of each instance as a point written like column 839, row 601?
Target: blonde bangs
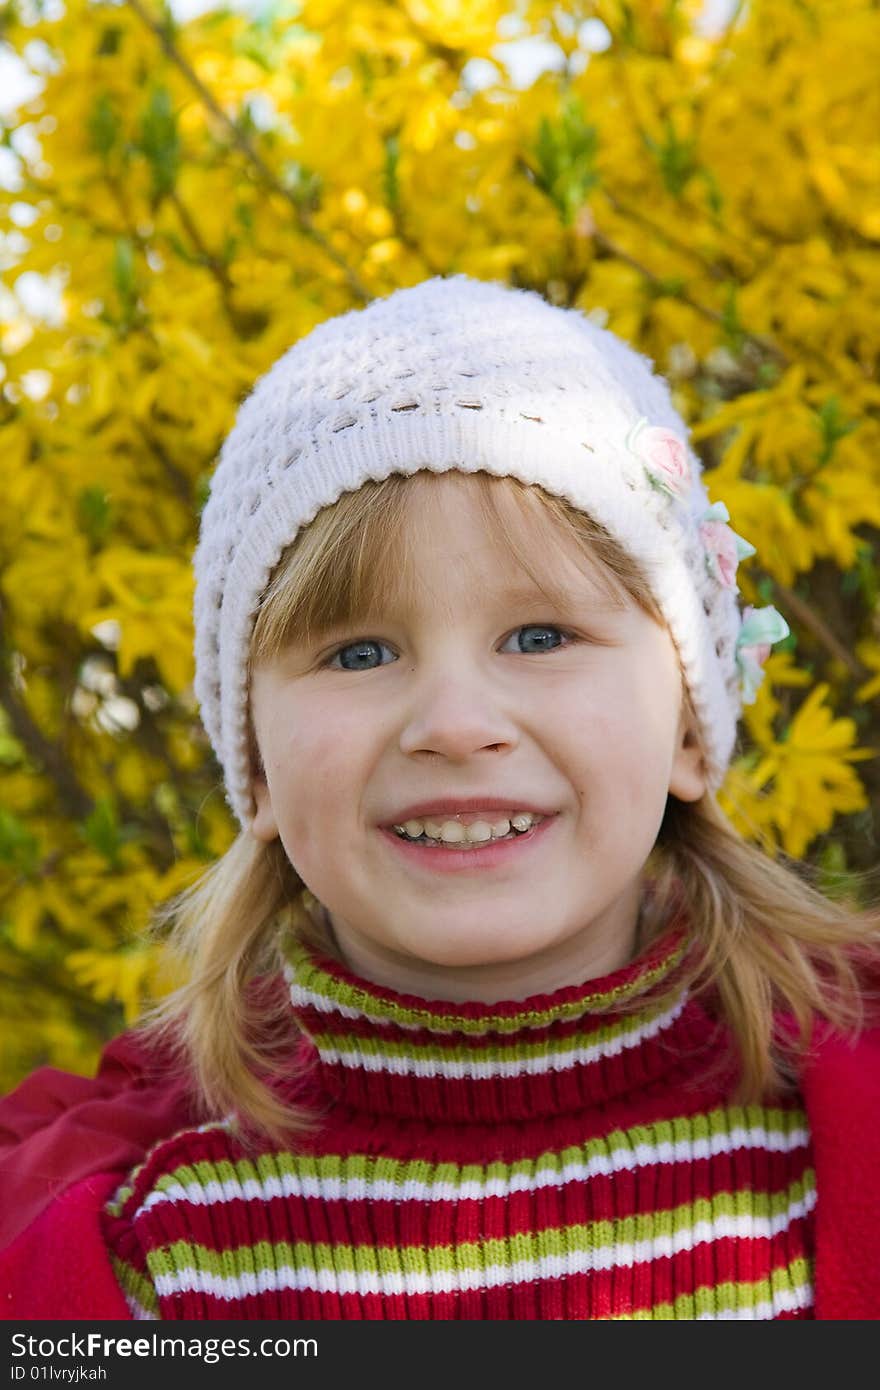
column 352, row 563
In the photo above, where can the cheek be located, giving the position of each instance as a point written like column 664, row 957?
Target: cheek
column 622, row 731
column 314, row 762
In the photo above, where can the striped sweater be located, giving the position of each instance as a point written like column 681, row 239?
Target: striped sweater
column 574, row 1155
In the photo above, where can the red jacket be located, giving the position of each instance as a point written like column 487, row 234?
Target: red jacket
column 65, row 1143
column 59, row 1162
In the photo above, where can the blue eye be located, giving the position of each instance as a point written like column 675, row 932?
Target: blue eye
column 361, row 648
column 542, row 628
column 365, row 647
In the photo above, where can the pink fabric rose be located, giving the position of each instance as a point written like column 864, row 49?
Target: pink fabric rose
column 722, row 554
column 664, row 455
column 722, row 546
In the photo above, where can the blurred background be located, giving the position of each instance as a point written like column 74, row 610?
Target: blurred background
column 185, row 190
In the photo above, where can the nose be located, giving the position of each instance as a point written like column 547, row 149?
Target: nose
column 456, row 718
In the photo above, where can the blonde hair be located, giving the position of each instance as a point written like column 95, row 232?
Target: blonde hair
column 769, row 941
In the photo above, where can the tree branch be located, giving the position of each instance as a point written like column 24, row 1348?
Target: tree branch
column 805, row 615
column 43, row 752
column 253, row 157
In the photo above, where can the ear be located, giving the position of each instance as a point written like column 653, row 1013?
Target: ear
column 687, row 779
column 264, row 826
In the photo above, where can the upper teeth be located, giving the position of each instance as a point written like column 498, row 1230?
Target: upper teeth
column 453, row 832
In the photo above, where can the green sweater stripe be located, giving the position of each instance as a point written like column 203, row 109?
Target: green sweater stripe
column 319, row 988
column 354, row 1048
column 687, row 1129
column 135, row 1285
column 720, row 1299
column 474, row 1256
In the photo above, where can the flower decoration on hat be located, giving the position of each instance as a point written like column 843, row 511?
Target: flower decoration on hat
column 761, row 627
column 664, row 456
column 724, row 548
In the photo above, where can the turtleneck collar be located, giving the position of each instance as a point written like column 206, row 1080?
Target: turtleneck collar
column 384, row 1052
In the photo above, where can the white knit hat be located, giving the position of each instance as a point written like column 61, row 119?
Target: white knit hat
column 472, row 375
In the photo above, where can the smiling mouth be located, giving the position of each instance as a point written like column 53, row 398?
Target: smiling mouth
column 423, row 839
column 454, row 856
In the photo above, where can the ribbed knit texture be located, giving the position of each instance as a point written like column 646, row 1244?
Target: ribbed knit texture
column 553, row 1158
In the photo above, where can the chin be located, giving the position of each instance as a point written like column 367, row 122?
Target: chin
column 471, row 955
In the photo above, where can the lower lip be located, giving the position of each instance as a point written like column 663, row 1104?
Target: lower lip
column 451, row 861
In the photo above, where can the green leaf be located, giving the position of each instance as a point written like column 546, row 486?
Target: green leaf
column 102, row 831
column 676, row 158
column 169, row 23
column 733, row 331
column 19, row 848
column 389, row 170
column 160, row 141
column 123, row 270
column 667, row 286
column 12, row 753
column 833, row 427
column 714, row 196
column 110, row 41
column 765, row 589
column 835, row 880
column 251, row 47
column 202, row 490
column 863, row 577
column 628, row 30
column 103, row 125
column 304, row 186
column 94, row 513
column 768, row 373
column 365, row 69
column 565, row 155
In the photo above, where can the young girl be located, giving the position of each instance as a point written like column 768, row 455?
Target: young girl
column 491, row 1013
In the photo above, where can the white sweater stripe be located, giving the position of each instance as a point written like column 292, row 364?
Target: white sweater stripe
column 324, row 1279
column 621, row 1159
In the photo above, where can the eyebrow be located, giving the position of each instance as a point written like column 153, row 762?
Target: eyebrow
column 562, row 597
column 561, row 594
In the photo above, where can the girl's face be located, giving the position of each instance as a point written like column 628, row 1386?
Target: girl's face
column 478, row 689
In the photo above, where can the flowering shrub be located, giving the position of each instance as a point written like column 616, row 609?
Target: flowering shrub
column 202, row 194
